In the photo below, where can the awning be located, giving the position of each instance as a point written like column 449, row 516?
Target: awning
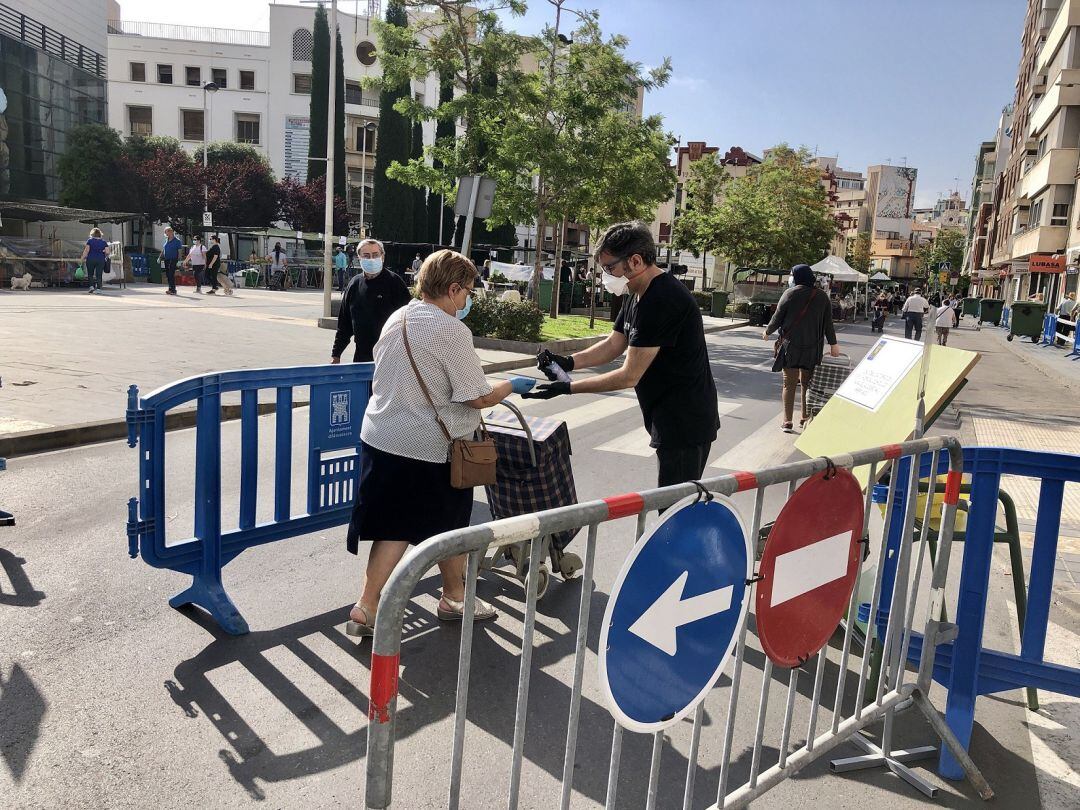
column 839, row 270
column 46, row 212
column 879, row 276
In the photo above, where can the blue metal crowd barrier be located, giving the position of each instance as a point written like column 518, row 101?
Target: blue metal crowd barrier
column 139, row 264
column 338, row 396
column 6, row 518
column 964, row 666
column 1049, row 331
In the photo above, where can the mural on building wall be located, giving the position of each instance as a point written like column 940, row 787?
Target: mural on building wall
column 895, row 199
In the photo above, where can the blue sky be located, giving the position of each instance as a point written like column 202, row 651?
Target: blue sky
column 864, row 80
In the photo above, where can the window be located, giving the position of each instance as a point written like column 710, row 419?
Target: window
column 191, row 124
column 371, row 98
column 1036, row 214
column 354, row 94
column 218, row 77
column 247, row 79
column 193, row 76
column 1060, row 215
column 140, row 121
column 365, row 140
column 301, row 83
column 365, row 52
column 1041, row 150
column 302, row 45
column 419, row 98
column 247, row 128
column 164, row 74
column 138, row 71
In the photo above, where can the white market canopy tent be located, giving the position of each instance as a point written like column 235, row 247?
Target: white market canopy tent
column 879, row 276
column 839, row 270
column 519, row 272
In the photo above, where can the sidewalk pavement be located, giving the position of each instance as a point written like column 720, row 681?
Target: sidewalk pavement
column 70, row 357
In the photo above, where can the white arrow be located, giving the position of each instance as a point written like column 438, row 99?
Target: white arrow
column 657, row 625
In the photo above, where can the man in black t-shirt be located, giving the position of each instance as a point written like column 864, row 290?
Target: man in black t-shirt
column 667, row 361
column 369, row 299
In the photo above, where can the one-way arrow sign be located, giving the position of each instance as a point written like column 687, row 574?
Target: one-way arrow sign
column 657, row 625
column 674, row 614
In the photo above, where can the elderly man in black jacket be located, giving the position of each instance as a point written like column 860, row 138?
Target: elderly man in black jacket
column 371, row 297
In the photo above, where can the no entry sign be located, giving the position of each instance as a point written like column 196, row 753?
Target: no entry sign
column 808, row 567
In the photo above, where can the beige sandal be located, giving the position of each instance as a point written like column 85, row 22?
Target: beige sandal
column 360, row 629
column 450, row 610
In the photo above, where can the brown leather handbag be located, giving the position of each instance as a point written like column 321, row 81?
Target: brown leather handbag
column 472, row 461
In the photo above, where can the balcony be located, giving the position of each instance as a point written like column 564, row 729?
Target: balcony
column 1067, row 16
column 892, row 247
column 1064, row 91
column 1044, row 239
column 1056, row 168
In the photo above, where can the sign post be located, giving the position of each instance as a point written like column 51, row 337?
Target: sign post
column 674, row 614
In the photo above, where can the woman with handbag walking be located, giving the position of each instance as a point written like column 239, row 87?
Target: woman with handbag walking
column 804, row 320
column 419, row 462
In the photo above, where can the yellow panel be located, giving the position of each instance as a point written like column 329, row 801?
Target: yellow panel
column 843, row 426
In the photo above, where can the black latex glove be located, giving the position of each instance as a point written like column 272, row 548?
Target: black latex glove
column 546, row 358
column 548, row 391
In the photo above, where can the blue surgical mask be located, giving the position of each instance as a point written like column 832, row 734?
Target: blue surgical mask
column 464, row 313
column 371, row 266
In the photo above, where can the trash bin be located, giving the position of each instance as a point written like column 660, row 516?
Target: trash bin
column 719, row 303
column 990, row 310
column 971, row 307
column 1026, row 320
column 545, row 294
column 759, row 313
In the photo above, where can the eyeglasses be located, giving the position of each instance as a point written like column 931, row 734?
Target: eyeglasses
column 608, row 267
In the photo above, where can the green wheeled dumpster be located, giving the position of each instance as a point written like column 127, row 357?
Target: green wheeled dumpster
column 1026, row 320
column 971, row 307
column 719, row 303
column 990, row 311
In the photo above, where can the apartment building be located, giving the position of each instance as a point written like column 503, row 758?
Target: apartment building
column 890, row 197
column 847, row 198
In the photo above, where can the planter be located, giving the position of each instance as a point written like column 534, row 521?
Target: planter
column 522, row 347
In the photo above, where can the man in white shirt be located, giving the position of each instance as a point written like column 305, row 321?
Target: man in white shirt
column 915, row 307
column 196, row 260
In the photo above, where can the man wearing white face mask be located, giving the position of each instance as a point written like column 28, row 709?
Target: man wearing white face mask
column 667, row 361
column 370, row 298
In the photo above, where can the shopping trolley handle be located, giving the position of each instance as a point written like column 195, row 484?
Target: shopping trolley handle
column 524, row 427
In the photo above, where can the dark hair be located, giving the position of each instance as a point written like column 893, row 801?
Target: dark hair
column 802, row 274
column 216, row 238
column 277, row 250
column 624, row 239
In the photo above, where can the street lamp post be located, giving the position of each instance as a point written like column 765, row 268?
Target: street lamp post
column 368, row 127
column 209, row 87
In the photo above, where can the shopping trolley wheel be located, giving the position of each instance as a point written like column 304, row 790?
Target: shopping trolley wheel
column 1036, row 340
column 570, row 565
column 543, row 579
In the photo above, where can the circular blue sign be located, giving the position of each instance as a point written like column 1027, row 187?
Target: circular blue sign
column 674, row 614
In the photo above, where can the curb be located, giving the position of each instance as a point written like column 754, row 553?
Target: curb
column 726, row 327
column 28, row 442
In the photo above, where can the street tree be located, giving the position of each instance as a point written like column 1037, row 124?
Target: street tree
column 566, row 143
column 440, row 217
column 946, row 246
column 160, row 181
column 858, row 254
column 392, row 204
column 419, row 195
column 240, row 186
column 320, row 79
column 694, row 227
column 88, row 169
column 777, row 214
column 303, row 205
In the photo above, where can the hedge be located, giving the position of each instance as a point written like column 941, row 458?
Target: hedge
column 703, row 299
column 505, row 320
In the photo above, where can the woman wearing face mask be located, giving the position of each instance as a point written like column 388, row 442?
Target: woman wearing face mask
column 404, row 494
column 369, row 299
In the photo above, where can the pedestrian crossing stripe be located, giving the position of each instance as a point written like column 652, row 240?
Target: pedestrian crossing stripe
column 636, row 442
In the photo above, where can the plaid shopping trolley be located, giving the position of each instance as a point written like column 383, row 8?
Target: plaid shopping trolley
column 828, row 376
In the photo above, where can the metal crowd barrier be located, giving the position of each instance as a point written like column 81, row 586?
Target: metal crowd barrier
column 337, row 398
column 902, row 589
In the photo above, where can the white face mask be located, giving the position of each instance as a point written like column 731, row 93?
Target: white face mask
column 614, row 284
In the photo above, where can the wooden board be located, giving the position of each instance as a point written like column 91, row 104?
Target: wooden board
column 843, row 426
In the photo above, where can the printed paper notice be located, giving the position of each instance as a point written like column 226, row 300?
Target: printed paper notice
column 884, row 366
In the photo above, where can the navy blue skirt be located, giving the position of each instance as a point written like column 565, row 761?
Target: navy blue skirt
column 401, row 498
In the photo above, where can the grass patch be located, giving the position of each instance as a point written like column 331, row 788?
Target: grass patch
column 572, row 326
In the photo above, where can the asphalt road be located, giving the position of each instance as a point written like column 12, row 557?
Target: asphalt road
column 109, row 698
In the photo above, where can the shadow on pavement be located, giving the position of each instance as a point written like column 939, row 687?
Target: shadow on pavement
column 24, row 594
column 22, row 708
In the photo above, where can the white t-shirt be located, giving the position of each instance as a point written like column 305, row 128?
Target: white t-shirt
column 197, row 254
column 945, row 317
column 399, row 419
column 917, row 304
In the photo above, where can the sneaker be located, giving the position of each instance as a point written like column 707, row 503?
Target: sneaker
column 198, row 290
column 91, row 290
column 209, row 292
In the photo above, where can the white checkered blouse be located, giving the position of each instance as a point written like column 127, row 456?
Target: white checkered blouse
column 399, row 419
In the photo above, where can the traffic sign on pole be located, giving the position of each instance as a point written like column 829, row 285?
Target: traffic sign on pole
column 674, row 614
column 808, row 567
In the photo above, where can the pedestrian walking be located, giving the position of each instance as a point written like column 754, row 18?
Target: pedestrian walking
column 369, row 300
column 945, row 318
column 196, row 260
column 216, row 268
column 341, row 264
column 1066, row 307
column 881, row 312
column 95, row 253
column 170, row 254
column 915, row 307
column 659, row 327
column 428, row 390
column 278, row 265
column 416, row 263
column 804, row 321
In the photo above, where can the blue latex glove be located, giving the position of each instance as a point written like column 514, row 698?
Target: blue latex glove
column 521, row 385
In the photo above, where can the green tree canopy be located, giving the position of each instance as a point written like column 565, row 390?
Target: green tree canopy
column 393, row 201
column 946, row 246
column 240, row 183
column 88, row 169
column 858, row 255
column 694, row 227
column 320, row 79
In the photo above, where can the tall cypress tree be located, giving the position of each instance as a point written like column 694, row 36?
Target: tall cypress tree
column 444, row 130
column 392, row 206
column 419, row 195
column 320, row 77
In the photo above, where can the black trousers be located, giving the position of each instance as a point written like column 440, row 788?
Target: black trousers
column 913, row 321
column 170, row 273
column 681, row 464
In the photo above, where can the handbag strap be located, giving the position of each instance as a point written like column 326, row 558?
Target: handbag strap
column 420, row 379
column 809, row 298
